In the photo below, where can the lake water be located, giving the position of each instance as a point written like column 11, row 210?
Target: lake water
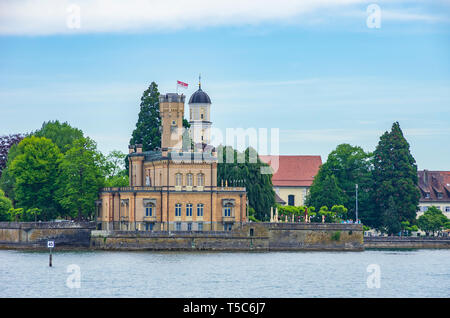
column 413, row 273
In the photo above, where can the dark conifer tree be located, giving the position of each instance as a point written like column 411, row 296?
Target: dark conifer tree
column 147, row 131
column 394, row 175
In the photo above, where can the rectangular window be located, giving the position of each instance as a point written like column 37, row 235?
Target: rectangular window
column 178, row 179
column 227, row 211
column 200, row 209
column 178, row 226
column 200, row 180
column 177, row 209
column 440, row 195
column 149, row 226
column 149, row 211
column 291, row 200
column 447, row 209
column 189, row 209
column 200, row 226
column 189, row 180
column 227, row 226
column 189, row 226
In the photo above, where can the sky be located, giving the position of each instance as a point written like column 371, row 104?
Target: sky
column 323, row 72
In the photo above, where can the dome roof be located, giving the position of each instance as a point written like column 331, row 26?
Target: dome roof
column 199, row 97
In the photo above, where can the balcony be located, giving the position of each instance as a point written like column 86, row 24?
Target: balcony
column 150, row 218
column 228, row 219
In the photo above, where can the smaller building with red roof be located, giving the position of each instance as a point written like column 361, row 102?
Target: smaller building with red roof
column 292, row 176
column 434, row 189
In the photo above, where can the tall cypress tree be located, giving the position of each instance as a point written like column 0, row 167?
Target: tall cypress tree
column 260, row 193
column 147, row 127
column 394, row 175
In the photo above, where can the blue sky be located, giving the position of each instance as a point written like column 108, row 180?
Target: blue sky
column 313, row 69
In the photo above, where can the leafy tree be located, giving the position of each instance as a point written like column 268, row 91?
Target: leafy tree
column 432, row 220
column 116, row 174
column 394, row 176
column 7, row 180
column 115, row 163
column 81, row 176
column 62, row 134
column 147, row 131
column 5, row 206
column 325, row 192
column 15, row 215
column 6, row 142
column 347, row 165
column 340, row 212
column 259, row 186
column 35, row 172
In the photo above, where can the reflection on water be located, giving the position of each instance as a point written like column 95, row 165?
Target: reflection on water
column 413, row 273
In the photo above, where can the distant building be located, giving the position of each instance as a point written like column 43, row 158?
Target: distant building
column 434, row 190
column 293, row 177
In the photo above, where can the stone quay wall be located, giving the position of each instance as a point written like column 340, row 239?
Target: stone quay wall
column 245, row 237
column 387, row 242
column 35, row 235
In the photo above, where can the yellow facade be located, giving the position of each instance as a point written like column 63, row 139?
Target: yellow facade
column 298, row 193
column 171, row 189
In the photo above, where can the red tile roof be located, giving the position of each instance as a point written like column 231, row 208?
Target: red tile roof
column 435, row 184
column 293, row 171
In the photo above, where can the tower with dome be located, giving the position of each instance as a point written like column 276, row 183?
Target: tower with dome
column 174, row 188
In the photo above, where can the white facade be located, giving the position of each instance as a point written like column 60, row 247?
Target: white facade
column 200, row 121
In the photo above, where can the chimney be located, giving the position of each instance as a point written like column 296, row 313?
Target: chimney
column 425, row 176
column 139, row 148
column 130, row 149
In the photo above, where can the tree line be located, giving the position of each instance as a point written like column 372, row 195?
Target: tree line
column 54, row 172
column 388, row 195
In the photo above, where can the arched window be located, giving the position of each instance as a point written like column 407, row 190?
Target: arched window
column 189, row 209
column 200, row 179
column 178, row 179
column 189, row 180
column 200, row 209
column 291, row 199
column 178, row 209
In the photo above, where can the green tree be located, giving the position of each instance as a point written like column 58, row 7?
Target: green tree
column 391, row 218
column 7, row 180
column 81, row 175
column 247, row 172
column 394, row 175
column 62, row 134
column 340, row 212
column 347, row 165
column 15, row 215
column 35, row 172
column 147, row 131
column 5, row 206
column 432, row 220
column 116, row 174
column 325, row 192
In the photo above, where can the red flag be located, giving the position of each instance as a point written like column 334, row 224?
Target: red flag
column 182, row 84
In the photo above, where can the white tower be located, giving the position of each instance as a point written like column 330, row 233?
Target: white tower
column 199, row 117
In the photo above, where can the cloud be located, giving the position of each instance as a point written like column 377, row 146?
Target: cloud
column 30, row 17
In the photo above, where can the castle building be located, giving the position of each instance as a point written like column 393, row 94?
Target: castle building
column 174, row 188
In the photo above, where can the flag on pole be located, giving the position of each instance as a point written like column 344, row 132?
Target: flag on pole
column 182, row 84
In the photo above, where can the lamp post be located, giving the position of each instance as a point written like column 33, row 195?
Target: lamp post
column 356, row 186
